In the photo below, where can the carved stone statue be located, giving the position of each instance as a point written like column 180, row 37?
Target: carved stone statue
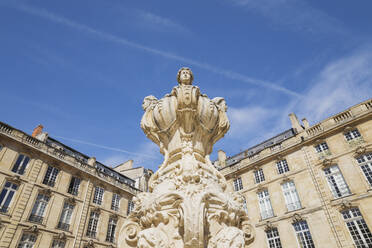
column 187, row 205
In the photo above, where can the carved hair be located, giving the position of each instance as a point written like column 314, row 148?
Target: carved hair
column 179, row 73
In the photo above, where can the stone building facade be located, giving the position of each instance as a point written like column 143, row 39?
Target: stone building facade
column 310, row 186
column 54, row 196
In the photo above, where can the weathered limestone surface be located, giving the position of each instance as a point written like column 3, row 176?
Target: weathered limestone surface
column 188, row 205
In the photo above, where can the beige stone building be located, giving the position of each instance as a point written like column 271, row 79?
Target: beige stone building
column 54, row 196
column 310, row 186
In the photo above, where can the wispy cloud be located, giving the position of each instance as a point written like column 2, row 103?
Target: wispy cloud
column 138, row 154
column 42, row 13
column 161, row 23
column 295, row 15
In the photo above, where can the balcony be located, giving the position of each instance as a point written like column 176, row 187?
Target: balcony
column 63, row 226
column 36, row 218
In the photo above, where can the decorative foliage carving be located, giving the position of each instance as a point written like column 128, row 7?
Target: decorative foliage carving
column 296, row 218
column 188, row 205
column 361, row 149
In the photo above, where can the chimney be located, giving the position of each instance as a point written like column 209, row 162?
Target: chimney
column 221, row 158
column 306, row 123
column 38, row 130
column 295, row 123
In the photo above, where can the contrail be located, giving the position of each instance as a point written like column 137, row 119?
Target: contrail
column 106, row 147
column 112, row 38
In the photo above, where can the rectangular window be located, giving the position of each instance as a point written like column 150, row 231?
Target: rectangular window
column 92, row 225
column 6, row 196
column 73, row 188
column 352, row 135
column 98, row 195
column 27, row 241
column 259, row 176
column 110, row 237
column 321, row 147
column 265, row 204
column 358, row 228
column 64, row 220
column 58, row 243
column 282, row 166
column 365, row 163
column 51, row 176
column 130, row 207
column 290, row 195
column 115, row 203
column 303, row 234
column 39, row 208
column 336, row 181
column 20, row 164
column 273, row 238
column 238, row 185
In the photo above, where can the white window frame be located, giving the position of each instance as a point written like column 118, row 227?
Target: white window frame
column 9, row 191
column 355, row 223
column 322, row 147
column 93, row 224
column 336, row 181
column 57, row 243
column 303, row 234
column 273, row 238
column 51, row 176
column 20, row 164
column 259, row 175
column 98, row 195
column 130, row 206
column 282, row 166
column 352, row 134
column 65, row 218
column 245, row 207
column 28, row 240
column 111, row 229
column 74, row 186
column 238, row 184
column 115, row 203
column 365, row 164
column 40, row 205
column 291, row 197
column 264, row 202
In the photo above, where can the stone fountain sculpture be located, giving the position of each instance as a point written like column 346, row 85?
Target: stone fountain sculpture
column 187, row 204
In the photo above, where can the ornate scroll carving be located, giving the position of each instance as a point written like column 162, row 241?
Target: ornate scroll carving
column 187, row 205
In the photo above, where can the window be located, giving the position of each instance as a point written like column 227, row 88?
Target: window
column 259, row 176
column 290, row 195
column 92, row 225
column 73, row 188
column 273, row 238
column 39, row 208
column 98, row 195
column 64, row 220
column 50, row 176
column 20, row 164
column 336, row 182
column 58, row 243
column 115, row 204
column 238, row 185
column 358, row 228
column 303, row 234
column 282, row 166
column 27, row 241
column 111, row 230
column 265, row 204
column 321, row 147
column 365, row 163
column 6, row 196
column 130, row 207
column 352, row 135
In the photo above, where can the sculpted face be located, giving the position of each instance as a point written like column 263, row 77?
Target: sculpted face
column 185, row 77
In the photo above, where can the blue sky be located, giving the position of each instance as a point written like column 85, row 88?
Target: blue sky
column 82, row 68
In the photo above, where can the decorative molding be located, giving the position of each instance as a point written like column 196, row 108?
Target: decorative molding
column 90, row 244
column 348, row 128
column 96, row 209
column 45, row 191
column 71, row 200
column 296, row 218
column 14, row 179
column 32, row 229
column 360, row 150
column 344, row 205
column 60, row 236
column 269, row 226
column 328, row 162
